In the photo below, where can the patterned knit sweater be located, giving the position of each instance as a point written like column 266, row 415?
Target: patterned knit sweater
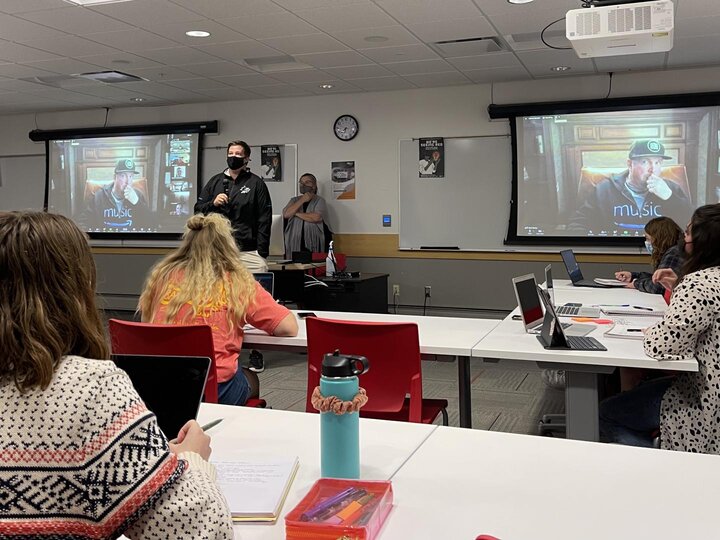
column 84, row 459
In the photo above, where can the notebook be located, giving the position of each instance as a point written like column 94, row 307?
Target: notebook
column 610, row 282
column 256, row 487
column 573, row 270
column 171, row 386
column 632, row 310
column 625, row 331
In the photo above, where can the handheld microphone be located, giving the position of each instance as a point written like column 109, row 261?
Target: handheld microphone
column 226, row 186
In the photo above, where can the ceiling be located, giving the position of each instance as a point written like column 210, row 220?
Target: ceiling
column 353, row 45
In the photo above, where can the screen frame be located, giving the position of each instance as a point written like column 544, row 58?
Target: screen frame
column 201, row 128
column 514, row 112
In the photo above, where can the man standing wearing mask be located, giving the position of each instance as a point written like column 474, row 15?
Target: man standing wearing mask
column 245, row 200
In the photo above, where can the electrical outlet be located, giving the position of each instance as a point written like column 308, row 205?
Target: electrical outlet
column 396, row 289
column 428, row 292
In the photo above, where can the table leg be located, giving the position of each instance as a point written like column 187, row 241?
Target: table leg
column 581, row 406
column 465, row 400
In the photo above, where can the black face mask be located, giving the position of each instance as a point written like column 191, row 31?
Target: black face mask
column 235, row 162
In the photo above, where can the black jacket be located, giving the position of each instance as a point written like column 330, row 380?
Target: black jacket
column 609, row 206
column 249, row 209
column 101, row 212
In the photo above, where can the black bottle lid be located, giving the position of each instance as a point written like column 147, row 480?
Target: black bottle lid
column 338, row 365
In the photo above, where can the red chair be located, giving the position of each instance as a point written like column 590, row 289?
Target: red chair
column 319, row 257
column 393, row 350
column 170, row 339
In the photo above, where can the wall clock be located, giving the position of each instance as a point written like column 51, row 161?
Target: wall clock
column 346, row 127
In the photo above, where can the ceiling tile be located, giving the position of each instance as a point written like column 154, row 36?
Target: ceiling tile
column 421, row 11
column 339, row 87
column 538, row 63
column 632, row 62
column 335, row 18
column 119, row 60
column 70, row 46
column 18, row 71
column 303, row 76
column 229, row 94
column 249, row 80
column 697, row 8
column 454, row 29
column 396, row 35
column 22, row 31
column 225, row 9
column 493, row 8
column 238, row 50
column 418, row 67
column 112, row 91
column 140, row 12
column 359, row 72
column 159, row 90
column 404, row 53
column 485, row 61
column 197, row 84
column 295, row 5
column 269, row 26
column 13, row 52
column 497, row 74
column 383, row 83
column 176, row 31
column 282, row 90
column 428, row 80
column 67, row 66
column 178, row 56
column 217, row 69
column 24, row 6
column 76, row 20
column 693, row 51
column 134, row 40
column 333, row 59
column 313, row 43
column 696, row 26
column 162, row 73
column 517, row 24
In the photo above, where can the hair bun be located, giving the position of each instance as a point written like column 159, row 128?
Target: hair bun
column 196, row 222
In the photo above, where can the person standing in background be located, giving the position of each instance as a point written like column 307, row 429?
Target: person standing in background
column 304, row 217
column 244, row 199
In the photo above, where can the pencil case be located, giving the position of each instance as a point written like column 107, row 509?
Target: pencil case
column 340, row 508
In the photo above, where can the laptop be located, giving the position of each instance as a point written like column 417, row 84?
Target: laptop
column 267, row 280
column 573, row 270
column 171, row 386
column 531, row 309
column 568, row 310
column 552, row 335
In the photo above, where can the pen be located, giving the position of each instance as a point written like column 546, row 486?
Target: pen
column 331, row 512
column 211, row 424
column 327, row 503
column 634, row 329
column 643, row 307
column 613, row 305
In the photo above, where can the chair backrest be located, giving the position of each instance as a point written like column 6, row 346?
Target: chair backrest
column 393, row 350
column 167, row 340
column 320, row 256
column 591, row 176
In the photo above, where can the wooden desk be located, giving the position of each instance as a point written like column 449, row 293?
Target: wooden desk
column 245, row 431
column 461, row 483
column 439, row 336
column 510, row 341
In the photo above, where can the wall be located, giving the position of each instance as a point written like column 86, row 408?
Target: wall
column 385, row 117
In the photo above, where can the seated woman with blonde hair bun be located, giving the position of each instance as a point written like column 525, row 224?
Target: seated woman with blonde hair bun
column 81, row 456
column 204, row 281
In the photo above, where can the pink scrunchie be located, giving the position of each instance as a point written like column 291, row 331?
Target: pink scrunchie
column 335, row 404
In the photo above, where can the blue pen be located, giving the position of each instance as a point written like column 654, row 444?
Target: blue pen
column 327, row 503
column 642, row 307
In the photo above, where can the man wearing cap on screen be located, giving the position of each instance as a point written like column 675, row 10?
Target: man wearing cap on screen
column 117, row 205
column 626, row 201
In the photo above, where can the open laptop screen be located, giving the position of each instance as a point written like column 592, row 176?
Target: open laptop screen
column 528, row 300
column 571, row 265
column 267, row 280
column 549, row 283
column 171, row 386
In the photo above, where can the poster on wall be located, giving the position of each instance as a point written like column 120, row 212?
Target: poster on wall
column 342, row 175
column 431, row 162
column 270, row 163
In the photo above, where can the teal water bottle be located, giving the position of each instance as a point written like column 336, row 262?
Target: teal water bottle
column 340, row 433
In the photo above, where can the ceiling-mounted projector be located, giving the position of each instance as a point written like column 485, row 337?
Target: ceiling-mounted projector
column 642, row 27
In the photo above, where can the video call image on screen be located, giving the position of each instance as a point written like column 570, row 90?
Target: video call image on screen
column 607, row 174
column 125, row 184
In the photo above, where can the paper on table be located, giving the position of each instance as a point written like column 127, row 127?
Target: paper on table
column 610, row 282
column 625, row 331
column 632, row 310
column 256, row 489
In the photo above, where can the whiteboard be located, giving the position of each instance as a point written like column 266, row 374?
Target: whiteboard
column 214, row 162
column 469, row 208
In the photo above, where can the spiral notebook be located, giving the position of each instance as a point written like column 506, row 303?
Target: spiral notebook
column 256, row 488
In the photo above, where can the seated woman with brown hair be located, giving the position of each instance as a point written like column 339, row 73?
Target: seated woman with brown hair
column 81, row 455
column 662, row 236
column 204, row 281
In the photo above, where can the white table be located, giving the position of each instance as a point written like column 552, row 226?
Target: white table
column 245, row 431
column 461, row 483
column 439, row 336
column 510, row 341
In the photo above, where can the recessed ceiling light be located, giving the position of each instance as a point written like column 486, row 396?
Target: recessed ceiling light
column 375, row 39
column 326, row 86
column 560, row 68
column 519, row 1
column 197, row 33
column 94, row 2
column 137, row 99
